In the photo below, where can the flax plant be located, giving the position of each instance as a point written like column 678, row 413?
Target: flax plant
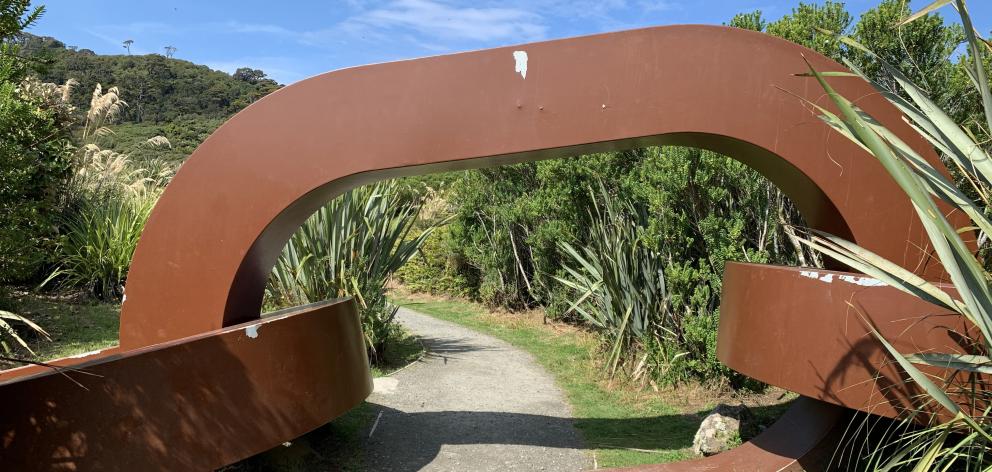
column 350, row 248
column 618, row 279
column 965, row 441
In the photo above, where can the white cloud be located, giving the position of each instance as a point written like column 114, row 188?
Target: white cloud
column 239, row 27
column 658, row 5
column 434, row 20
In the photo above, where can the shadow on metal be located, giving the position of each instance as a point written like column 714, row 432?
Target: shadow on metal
column 199, row 380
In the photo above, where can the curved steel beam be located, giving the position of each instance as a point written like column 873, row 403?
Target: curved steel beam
column 211, row 241
column 806, row 330
column 197, row 403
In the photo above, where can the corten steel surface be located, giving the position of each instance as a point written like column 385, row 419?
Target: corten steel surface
column 211, row 394
column 211, row 241
column 197, row 403
column 805, row 330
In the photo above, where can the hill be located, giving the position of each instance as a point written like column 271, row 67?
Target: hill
column 171, row 97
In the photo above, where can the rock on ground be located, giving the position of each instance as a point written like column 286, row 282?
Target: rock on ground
column 720, row 430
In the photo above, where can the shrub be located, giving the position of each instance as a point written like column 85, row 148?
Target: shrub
column 35, row 156
column 108, row 199
column 100, row 239
column 350, row 247
column 437, row 268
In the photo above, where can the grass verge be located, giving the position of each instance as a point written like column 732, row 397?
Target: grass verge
column 76, row 325
column 621, row 425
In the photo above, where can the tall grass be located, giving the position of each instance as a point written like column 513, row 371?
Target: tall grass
column 965, row 441
column 351, row 247
column 106, row 204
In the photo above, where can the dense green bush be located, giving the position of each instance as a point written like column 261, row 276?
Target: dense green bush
column 35, row 156
column 437, row 268
column 700, row 209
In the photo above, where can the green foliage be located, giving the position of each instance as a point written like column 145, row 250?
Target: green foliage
column 436, row 268
column 35, row 155
column 803, row 25
column 158, row 89
column 101, row 235
column 964, row 442
column 351, row 247
column 921, row 49
column 108, row 200
column 619, row 280
column 185, row 133
column 700, row 209
column 750, row 21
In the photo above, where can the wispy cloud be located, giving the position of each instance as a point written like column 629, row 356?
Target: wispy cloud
column 251, row 28
column 437, row 21
column 658, row 5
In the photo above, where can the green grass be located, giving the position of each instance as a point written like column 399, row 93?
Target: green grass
column 75, row 325
column 612, row 424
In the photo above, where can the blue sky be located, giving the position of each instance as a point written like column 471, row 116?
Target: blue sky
column 292, row 40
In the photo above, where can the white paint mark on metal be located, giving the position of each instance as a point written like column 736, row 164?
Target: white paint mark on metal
column 252, row 331
column 829, row 278
column 520, row 58
column 86, row 354
column 862, row 281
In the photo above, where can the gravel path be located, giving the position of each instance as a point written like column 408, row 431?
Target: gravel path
column 474, row 403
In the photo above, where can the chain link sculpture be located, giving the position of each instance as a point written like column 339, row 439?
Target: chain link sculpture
column 199, row 380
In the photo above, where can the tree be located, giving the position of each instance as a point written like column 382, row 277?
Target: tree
column 15, row 17
column 749, row 21
column 170, row 51
column 127, row 45
column 35, row 153
column 247, row 74
column 158, row 89
column 921, row 49
column 803, row 26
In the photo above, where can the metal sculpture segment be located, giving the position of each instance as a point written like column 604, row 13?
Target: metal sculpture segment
column 188, row 368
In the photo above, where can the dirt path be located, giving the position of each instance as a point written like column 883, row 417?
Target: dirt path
column 474, row 403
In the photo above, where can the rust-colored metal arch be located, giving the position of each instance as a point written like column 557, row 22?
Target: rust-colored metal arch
column 186, row 369
column 207, row 250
